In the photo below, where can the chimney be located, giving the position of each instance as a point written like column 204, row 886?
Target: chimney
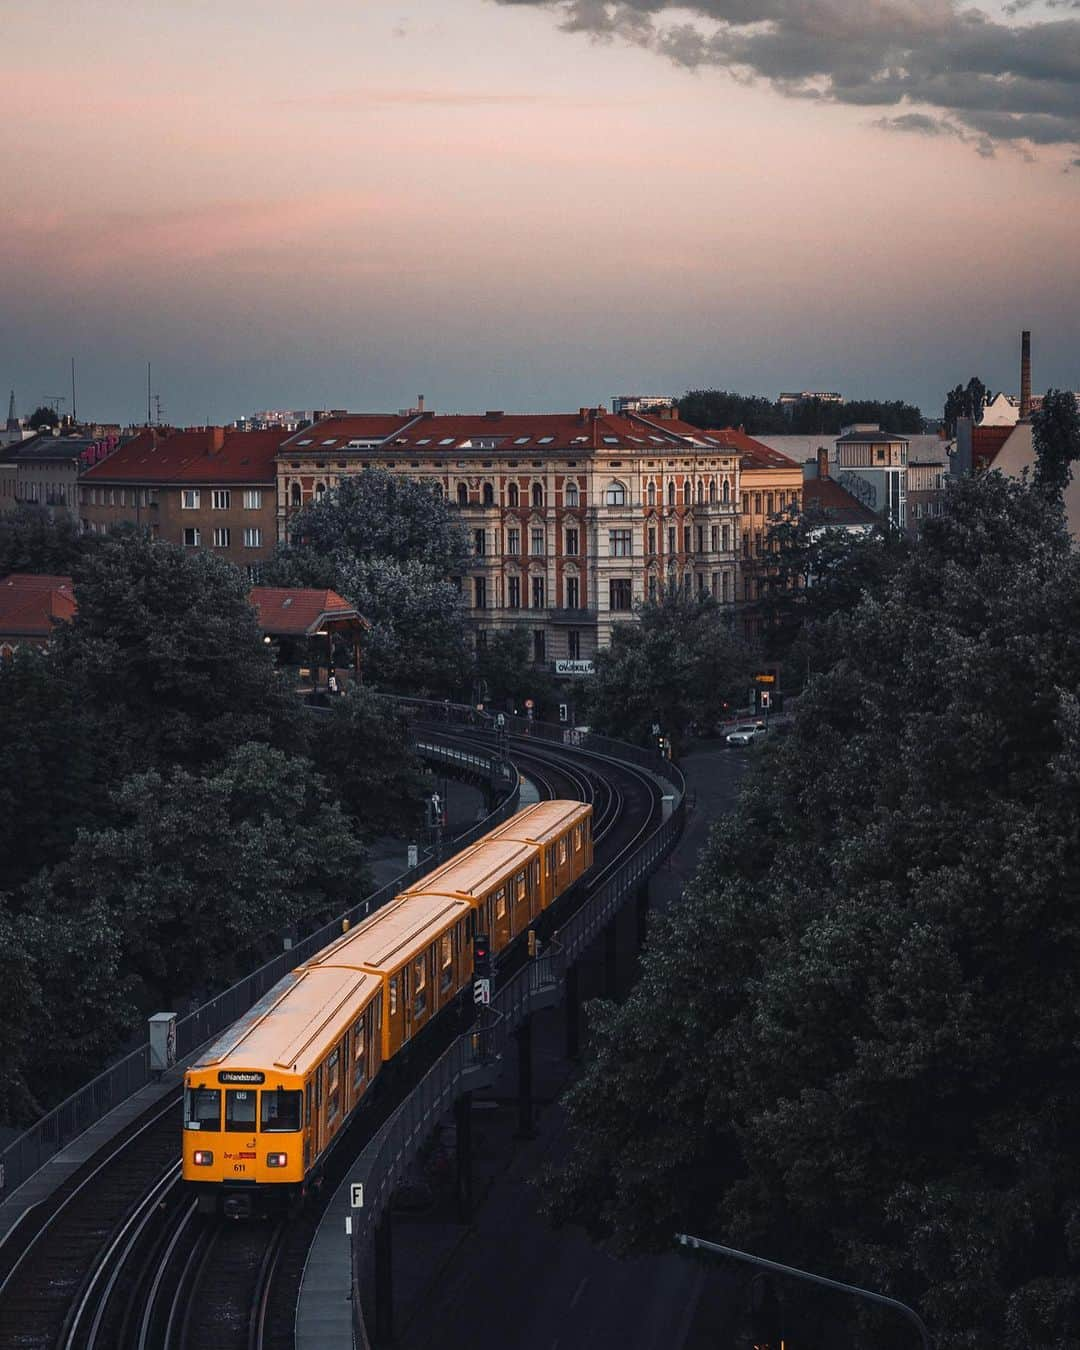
column 1025, row 373
column 215, row 440
column 822, row 461
column 419, row 403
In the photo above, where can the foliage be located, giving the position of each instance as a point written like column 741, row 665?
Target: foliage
column 855, row 1042
column 814, row 416
column 1055, row 430
column 168, row 652
column 32, row 541
column 964, row 401
column 759, row 416
column 195, row 869
column 676, row 665
column 362, row 748
column 505, row 673
column 43, row 417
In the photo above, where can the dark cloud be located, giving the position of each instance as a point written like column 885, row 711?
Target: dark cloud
column 996, row 82
column 919, row 123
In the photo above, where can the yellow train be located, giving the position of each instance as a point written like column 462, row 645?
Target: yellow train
column 266, row 1103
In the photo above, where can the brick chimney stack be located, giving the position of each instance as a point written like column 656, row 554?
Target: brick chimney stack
column 823, row 461
column 1025, row 373
column 216, row 440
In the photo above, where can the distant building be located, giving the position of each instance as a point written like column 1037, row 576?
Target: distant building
column 31, row 607
column 1002, row 410
column 789, row 402
column 1016, row 458
column 825, row 497
column 927, row 471
column 203, row 488
column 270, row 419
column 47, row 469
column 872, row 465
column 639, row 403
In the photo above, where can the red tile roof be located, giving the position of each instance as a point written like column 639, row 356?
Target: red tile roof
column 332, row 434
column 299, row 612
column 827, row 495
column 32, row 605
column 205, row 455
column 755, row 455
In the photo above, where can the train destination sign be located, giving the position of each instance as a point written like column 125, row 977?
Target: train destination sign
column 241, row 1076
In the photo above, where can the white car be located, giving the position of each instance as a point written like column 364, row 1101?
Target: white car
column 745, row 733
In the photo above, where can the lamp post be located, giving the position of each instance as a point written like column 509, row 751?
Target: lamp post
column 699, row 1244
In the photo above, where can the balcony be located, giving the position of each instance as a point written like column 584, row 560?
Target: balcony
column 577, row 617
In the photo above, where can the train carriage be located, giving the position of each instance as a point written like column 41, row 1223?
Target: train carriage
column 562, row 832
column 500, row 879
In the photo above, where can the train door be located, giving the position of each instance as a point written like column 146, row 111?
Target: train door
column 318, row 1126
column 309, row 1122
column 501, row 931
column 551, row 886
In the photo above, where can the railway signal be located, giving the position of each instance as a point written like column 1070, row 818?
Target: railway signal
column 481, row 992
column 481, row 955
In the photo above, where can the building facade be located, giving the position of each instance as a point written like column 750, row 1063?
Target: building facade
column 47, row 469
column 574, row 517
column 771, row 488
column 872, row 465
column 203, row 488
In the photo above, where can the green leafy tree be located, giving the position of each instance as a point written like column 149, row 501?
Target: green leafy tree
column 1055, row 430
column 32, row 541
column 362, row 747
column 677, row 665
column 506, row 675
column 721, row 408
column 168, row 650
column 855, row 1042
column 44, row 418
column 196, row 869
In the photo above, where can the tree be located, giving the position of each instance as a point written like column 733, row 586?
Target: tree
column 196, row 869
column 44, row 418
column 855, row 1042
column 168, row 650
column 1055, row 430
column 721, row 408
column 505, row 673
column 676, row 665
column 32, row 541
column 964, row 401
column 363, row 749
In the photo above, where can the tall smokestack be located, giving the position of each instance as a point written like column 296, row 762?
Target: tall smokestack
column 1025, row 373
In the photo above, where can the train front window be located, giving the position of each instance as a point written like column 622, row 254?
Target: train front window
column 203, row 1109
column 281, row 1111
column 239, row 1112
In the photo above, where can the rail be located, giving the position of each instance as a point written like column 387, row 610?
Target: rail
column 65, row 1122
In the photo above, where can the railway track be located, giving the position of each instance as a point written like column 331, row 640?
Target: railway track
column 123, row 1260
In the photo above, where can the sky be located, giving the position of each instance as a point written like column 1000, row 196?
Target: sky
column 533, row 205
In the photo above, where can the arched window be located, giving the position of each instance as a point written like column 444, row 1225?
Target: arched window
column 436, row 488
column 320, row 488
column 294, row 494
column 700, row 491
column 538, row 495
column 462, row 495
column 615, row 495
column 727, row 492
column 651, row 493
column 686, row 493
column 489, row 495
column 712, row 491
column 571, row 494
column 512, row 494
column 671, row 493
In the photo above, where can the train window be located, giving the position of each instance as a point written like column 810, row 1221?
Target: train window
column 519, row 886
column 359, row 1052
column 280, row 1111
column 446, row 950
column 420, row 973
column 562, row 849
column 333, row 1081
column 500, row 903
column 549, row 861
column 239, row 1112
column 203, row 1109
column 393, row 997
column 577, row 837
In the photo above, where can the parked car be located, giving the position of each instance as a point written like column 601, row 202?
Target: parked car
column 745, row 733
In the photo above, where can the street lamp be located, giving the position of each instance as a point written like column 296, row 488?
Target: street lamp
column 699, row 1244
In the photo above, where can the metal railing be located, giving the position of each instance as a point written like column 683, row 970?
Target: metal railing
column 54, row 1131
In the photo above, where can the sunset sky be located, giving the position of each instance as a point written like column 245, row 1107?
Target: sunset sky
column 321, row 203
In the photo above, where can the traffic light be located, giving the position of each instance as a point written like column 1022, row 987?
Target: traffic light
column 766, row 1315
column 481, row 956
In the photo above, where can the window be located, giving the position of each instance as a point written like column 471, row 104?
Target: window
column 725, row 585
column 572, row 543
column 359, row 1051
column 220, row 499
column 571, row 494
column 191, row 537
column 479, row 543
column 615, row 495
column 446, row 961
column 757, row 503
column 757, row 543
column 746, row 503
column 294, row 494
column 512, row 494
column 112, row 494
column 189, row 499
column 573, row 644
column 281, row 1111
column 538, row 592
column 620, row 543
column 123, row 496
column 686, row 492
column 393, row 996
column 480, row 592
column 671, row 539
column 462, row 495
column 222, row 537
column 252, row 537
column 252, row 499
column 420, row 984
column 144, row 497
column 700, row 491
column 701, row 538
column 671, row 493
column 727, row 492
column 513, row 541
column 481, row 639
column 727, row 538
column 488, row 495
column 239, row 1112
column 539, row 645
column 746, row 543
column 513, row 592
column 714, row 539
column 500, row 903
column 202, row 1110
column 712, row 491
column 536, row 543
column 333, row 1084
column 519, row 887
column 701, row 583
column 538, row 495
column 650, row 493
column 686, row 538
column 652, row 587
column 651, row 539
column 621, row 596
column 769, row 504
column 573, row 593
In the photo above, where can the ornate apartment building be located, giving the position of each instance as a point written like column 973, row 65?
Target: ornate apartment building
column 574, row 517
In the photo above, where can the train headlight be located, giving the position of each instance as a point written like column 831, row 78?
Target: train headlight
column 202, row 1157
column 277, row 1159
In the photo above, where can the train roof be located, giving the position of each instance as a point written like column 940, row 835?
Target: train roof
column 393, row 934
column 477, row 870
column 542, row 821
column 290, row 1027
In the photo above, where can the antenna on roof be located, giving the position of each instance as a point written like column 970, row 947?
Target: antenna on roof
column 73, row 389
